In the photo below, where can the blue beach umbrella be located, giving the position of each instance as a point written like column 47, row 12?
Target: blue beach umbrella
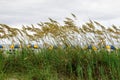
column 32, row 45
column 90, row 47
column 112, row 47
column 17, row 46
column 1, row 46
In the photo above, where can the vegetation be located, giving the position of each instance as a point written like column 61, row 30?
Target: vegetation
column 60, row 52
column 61, row 64
column 69, row 34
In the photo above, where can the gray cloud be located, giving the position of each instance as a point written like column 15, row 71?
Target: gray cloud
column 14, row 12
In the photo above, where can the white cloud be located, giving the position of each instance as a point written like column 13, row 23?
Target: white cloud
column 14, row 12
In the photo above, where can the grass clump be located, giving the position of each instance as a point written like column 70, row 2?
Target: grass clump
column 61, row 64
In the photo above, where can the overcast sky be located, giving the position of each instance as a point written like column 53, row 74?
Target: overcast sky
column 19, row 12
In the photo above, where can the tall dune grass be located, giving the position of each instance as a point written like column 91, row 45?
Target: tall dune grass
column 68, row 34
column 60, row 52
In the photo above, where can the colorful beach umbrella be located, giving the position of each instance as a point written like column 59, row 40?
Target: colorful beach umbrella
column 113, row 47
column 1, row 46
column 36, row 46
